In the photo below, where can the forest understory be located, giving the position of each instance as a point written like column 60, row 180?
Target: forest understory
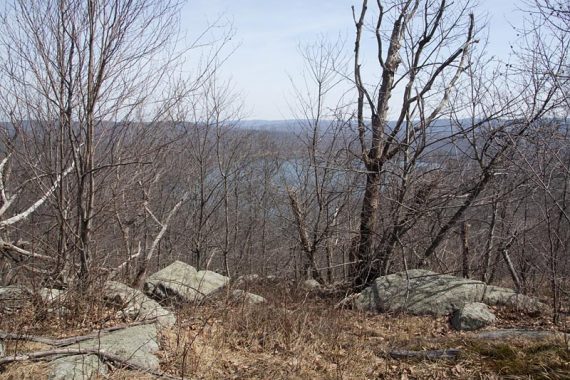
column 300, row 334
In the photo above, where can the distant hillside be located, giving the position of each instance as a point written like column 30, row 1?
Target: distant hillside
column 272, row 125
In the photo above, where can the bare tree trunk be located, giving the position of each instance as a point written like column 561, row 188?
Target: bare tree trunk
column 380, row 143
column 486, row 274
column 332, row 242
column 144, row 261
column 465, row 249
column 308, row 249
column 505, row 254
column 365, row 268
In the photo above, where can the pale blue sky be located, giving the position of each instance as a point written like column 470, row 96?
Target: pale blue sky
column 268, row 32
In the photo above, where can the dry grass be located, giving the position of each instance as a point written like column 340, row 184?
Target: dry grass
column 301, row 336
column 298, row 336
column 25, row 371
column 75, row 314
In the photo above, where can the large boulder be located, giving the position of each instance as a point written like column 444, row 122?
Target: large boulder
column 472, row 316
column 136, row 305
column 180, row 282
column 424, row 292
column 135, row 345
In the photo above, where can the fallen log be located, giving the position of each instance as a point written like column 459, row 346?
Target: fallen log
column 451, row 353
column 30, row 338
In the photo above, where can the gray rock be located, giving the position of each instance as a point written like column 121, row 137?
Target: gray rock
column 472, row 316
column 136, row 305
column 175, row 281
column 424, row 292
column 495, row 295
column 246, row 297
column 311, row 284
column 54, row 300
column 246, row 279
column 50, row 296
column 14, row 298
column 208, row 282
column 11, row 292
column 2, row 349
column 60, row 311
column 136, row 345
column 77, row 367
column 180, row 282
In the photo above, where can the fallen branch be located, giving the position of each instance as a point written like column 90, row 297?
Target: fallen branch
column 74, row 339
column 5, row 246
column 347, row 302
column 430, row 354
column 29, row 338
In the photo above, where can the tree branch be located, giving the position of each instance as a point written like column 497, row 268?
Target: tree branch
column 24, row 214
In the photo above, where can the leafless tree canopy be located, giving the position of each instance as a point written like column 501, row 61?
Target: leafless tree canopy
column 116, row 161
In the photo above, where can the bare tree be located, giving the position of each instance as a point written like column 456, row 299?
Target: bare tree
column 544, row 56
column 411, row 55
column 320, row 178
column 77, row 78
column 17, row 251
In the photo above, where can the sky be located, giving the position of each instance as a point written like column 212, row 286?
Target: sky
column 267, row 34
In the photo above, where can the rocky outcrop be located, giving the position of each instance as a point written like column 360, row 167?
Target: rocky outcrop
column 472, row 316
column 134, row 345
column 180, row 282
column 134, row 304
column 424, row 292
